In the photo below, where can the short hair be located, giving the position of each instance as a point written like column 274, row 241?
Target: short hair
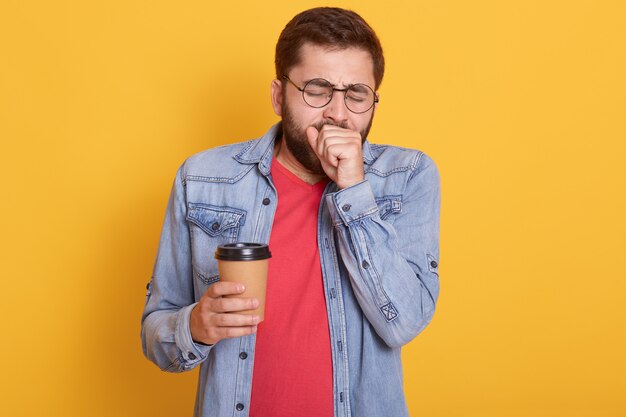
column 330, row 27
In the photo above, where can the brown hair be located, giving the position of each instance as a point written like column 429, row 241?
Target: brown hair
column 330, row 27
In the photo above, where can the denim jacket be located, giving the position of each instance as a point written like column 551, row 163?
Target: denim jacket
column 379, row 248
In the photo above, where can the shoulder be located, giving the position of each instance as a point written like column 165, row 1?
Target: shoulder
column 216, row 158
column 384, row 160
column 229, row 163
column 216, row 164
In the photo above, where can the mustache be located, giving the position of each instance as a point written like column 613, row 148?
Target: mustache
column 321, row 123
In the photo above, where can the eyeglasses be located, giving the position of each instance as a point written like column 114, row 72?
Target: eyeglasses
column 318, row 92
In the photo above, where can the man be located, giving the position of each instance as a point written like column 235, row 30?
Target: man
column 353, row 230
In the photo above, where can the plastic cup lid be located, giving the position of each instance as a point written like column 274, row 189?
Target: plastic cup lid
column 243, row 251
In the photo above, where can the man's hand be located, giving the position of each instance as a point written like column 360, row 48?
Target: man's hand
column 340, row 152
column 214, row 317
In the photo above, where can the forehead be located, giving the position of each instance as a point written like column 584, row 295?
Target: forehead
column 339, row 66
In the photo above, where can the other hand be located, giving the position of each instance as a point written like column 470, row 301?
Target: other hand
column 215, row 317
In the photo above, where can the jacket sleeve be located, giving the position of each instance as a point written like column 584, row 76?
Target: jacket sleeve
column 393, row 268
column 165, row 335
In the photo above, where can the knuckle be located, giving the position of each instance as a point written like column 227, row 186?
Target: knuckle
column 205, row 303
column 222, row 319
column 223, row 304
column 210, row 304
column 210, row 293
column 204, row 319
column 216, row 305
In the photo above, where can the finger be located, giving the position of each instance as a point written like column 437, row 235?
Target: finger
column 225, row 288
column 350, row 143
column 230, row 305
column 230, row 332
column 338, row 131
column 235, row 320
column 342, row 149
column 312, row 134
column 333, row 154
column 327, row 138
column 333, row 127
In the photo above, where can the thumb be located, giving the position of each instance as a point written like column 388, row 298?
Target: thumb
column 311, row 135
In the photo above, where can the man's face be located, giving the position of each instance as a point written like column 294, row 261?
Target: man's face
column 342, row 68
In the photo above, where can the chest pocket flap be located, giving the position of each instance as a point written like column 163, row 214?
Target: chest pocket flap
column 213, row 220
column 389, row 204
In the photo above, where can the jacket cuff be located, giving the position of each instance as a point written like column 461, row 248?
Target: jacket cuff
column 192, row 353
column 352, row 203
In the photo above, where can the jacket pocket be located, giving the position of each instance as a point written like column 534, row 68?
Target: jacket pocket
column 209, row 227
column 216, row 221
column 388, row 205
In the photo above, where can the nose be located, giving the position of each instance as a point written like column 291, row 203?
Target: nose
column 336, row 110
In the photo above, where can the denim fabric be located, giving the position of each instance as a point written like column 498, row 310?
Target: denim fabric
column 379, row 251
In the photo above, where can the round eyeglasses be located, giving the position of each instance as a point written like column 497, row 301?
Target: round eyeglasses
column 318, row 92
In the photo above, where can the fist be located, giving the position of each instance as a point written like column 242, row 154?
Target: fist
column 340, row 152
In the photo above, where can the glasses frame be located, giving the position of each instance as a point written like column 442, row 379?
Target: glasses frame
column 343, row 90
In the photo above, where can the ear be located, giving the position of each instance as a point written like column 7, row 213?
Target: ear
column 276, row 90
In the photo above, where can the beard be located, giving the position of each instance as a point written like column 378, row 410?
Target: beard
column 294, row 136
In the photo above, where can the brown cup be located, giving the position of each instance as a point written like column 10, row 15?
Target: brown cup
column 245, row 263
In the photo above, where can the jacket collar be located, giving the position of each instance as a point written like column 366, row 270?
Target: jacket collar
column 261, row 151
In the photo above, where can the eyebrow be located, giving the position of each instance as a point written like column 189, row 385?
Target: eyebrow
column 346, row 86
column 360, row 87
column 318, row 83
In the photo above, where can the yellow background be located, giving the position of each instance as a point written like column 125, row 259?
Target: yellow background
column 521, row 103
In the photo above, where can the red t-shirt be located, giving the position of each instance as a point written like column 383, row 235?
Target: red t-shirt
column 292, row 360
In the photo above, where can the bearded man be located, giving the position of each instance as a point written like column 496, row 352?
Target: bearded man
column 353, row 229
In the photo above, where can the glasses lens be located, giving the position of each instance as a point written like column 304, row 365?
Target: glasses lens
column 359, row 98
column 317, row 92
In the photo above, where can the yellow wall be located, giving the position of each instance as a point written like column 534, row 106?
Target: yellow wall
column 521, row 103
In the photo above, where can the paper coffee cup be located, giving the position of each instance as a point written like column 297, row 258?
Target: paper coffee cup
column 245, row 263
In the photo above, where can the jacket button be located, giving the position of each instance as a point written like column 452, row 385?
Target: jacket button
column 433, row 264
column 243, row 355
column 346, row 207
column 215, row 226
column 365, row 265
column 239, row 407
column 266, row 201
column 191, row 356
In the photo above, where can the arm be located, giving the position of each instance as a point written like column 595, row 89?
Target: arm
column 173, row 322
column 392, row 268
column 165, row 333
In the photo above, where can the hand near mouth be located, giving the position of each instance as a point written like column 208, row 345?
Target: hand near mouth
column 340, row 152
